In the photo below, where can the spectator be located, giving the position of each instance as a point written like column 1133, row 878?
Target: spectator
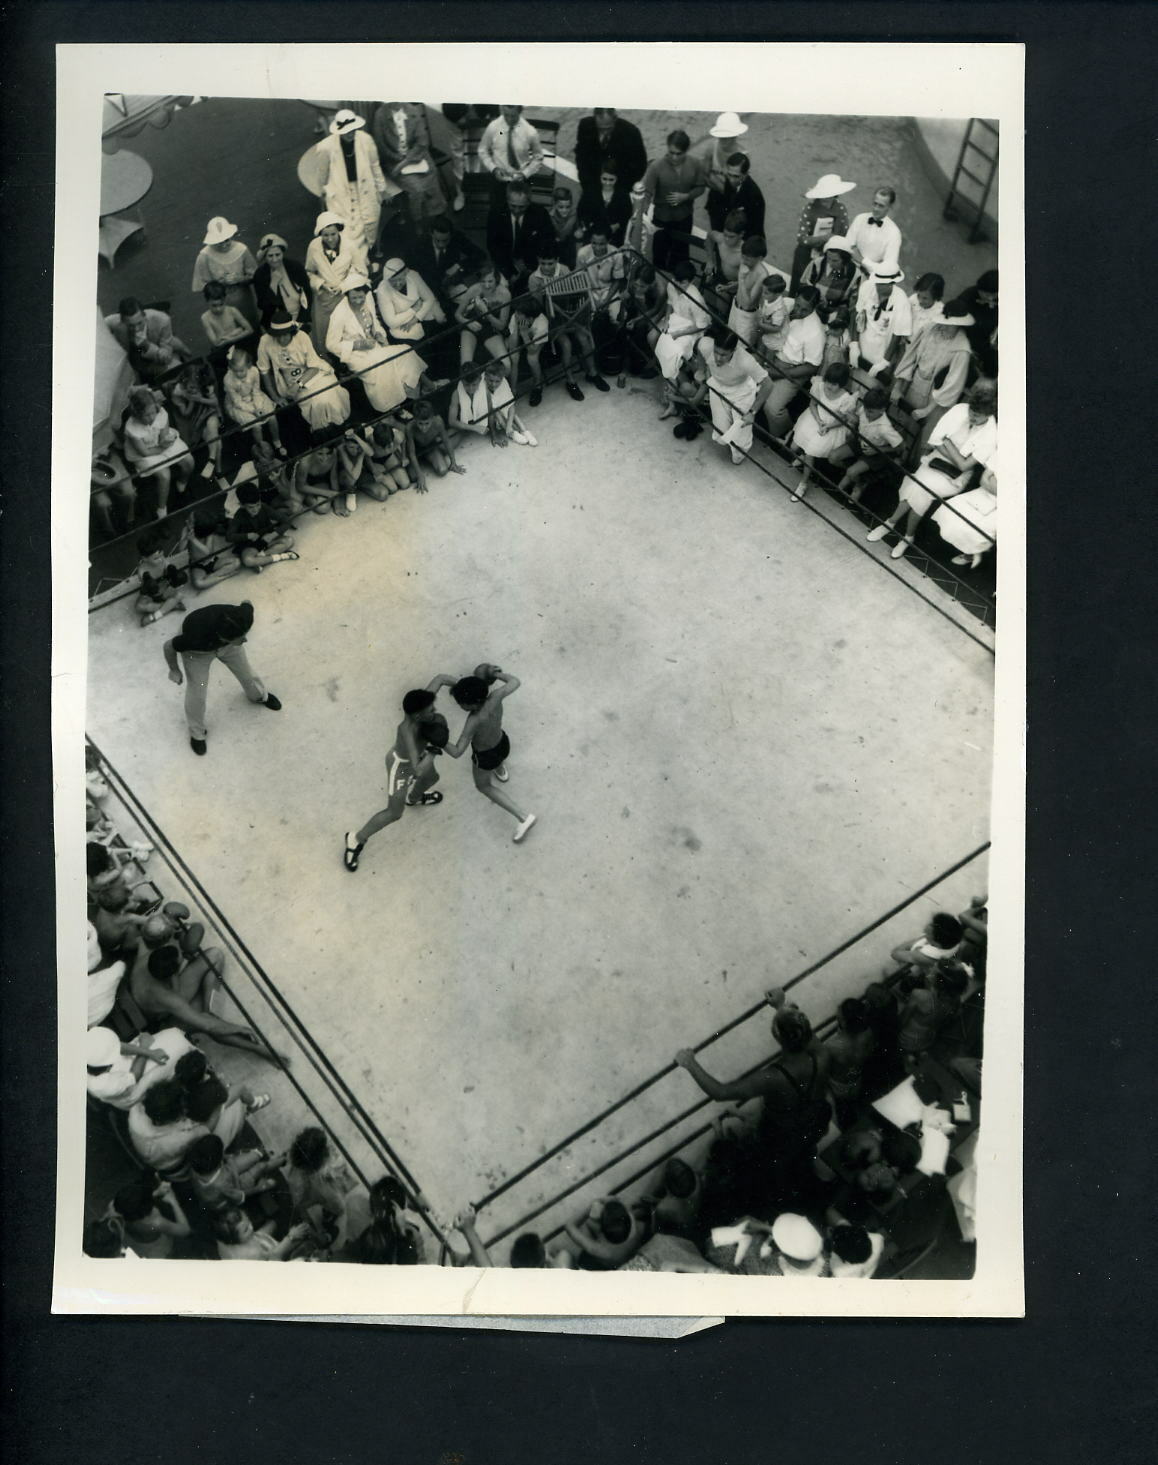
column 406, row 302
column 147, row 337
column 353, row 186
column 355, row 470
column 932, row 372
column 220, row 1181
column 197, row 413
column 227, row 260
column 882, row 322
column 103, row 981
column 719, row 145
column 874, row 237
column 319, row 1184
column 392, row 456
column 160, row 1128
column 980, row 302
column 119, row 1074
column 736, row 385
column 790, row 1247
column 331, row 256
column 281, row 283
column 821, row 430
column 687, row 319
column 928, row 1007
column 671, row 186
column 608, row 1235
column 116, row 923
column 394, row 1236
column 210, row 1102
column 223, row 324
column 238, row 1241
column 483, row 313
column 430, row 443
column 516, row 231
column 565, row 224
column 152, row 1217
column 357, row 336
column 737, row 191
column 444, row 258
column 849, row 1049
column 484, row 404
column 832, row 274
column 292, row 373
column 822, row 218
column 606, row 271
column 153, row 449
column 245, row 402
column 755, row 272
column 566, row 300
column 940, row 940
column 678, row 1199
column 725, row 252
column 510, row 150
column 401, row 134
column 112, row 493
column 641, row 320
column 773, row 315
column 965, row 437
column 159, row 583
column 876, row 445
column 925, row 303
column 606, row 142
column 528, row 335
column 853, row 1251
column 167, row 987
column 255, row 533
column 796, row 361
column 836, row 339
column 607, row 202
column 529, row 1250
column 969, row 523
column 882, row 1070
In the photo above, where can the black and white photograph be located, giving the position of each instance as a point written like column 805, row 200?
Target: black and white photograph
column 580, row 862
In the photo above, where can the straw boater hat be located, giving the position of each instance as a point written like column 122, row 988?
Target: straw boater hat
column 218, row 230
column 102, row 1048
column 355, row 281
column 728, row 124
column 888, row 272
column 796, row 1237
column 346, row 121
column 281, row 320
column 830, row 186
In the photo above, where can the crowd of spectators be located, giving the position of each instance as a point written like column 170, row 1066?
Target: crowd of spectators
column 359, row 364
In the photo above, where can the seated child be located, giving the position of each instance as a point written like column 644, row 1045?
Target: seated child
column 391, row 455
column 355, row 458
column 255, row 533
column 206, row 542
column 876, row 443
column 316, row 475
column 432, row 443
column 245, row 402
column 223, row 323
column 159, row 583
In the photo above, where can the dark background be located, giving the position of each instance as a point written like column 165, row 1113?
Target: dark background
column 1075, row 1380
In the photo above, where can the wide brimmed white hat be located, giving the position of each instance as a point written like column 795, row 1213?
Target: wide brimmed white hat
column 218, row 230
column 346, row 121
column 954, row 320
column 728, row 124
column 355, row 281
column 830, row 186
column 102, row 1048
column 797, row 1237
column 838, row 241
column 886, row 273
column 323, row 221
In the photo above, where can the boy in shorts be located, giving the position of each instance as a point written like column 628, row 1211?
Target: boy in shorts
column 410, row 771
column 432, row 443
column 483, row 733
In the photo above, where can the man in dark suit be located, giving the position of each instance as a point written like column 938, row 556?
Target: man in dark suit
column 738, row 192
column 515, row 233
column 443, row 257
column 606, row 138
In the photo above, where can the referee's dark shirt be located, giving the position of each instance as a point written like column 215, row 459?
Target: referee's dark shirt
column 208, row 629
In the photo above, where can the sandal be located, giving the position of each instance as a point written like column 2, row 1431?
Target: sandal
column 352, row 853
column 431, row 798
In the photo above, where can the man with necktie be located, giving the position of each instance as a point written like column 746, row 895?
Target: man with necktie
column 509, row 150
column 882, row 322
column 516, row 230
column 873, row 236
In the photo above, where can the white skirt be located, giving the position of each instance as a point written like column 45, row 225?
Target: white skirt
column 970, row 524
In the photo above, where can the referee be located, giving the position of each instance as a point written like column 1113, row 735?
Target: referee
column 213, row 633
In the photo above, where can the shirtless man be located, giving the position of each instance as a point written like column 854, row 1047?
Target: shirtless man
column 164, row 984
column 483, row 733
column 409, row 769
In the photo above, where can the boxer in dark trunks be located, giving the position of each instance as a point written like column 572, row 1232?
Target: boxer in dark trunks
column 483, row 733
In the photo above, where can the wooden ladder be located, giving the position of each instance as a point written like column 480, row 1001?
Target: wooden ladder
column 986, row 161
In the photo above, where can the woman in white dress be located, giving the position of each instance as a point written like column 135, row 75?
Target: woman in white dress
column 357, row 336
column 154, row 449
column 688, row 319
column 969, row 523
column 406, row 302
column 822, row 429
column 330, row 256
column 224, row 258
column 353, row 184
column 293, row 372
column 965, row 437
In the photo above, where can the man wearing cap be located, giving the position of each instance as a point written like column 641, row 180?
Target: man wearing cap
column 510, row 149
column 882, row 322
column 822, row 216
column 873, row 237
column 606, row 138
column 147, row 336
column 353, row 184
column 213, row 633
column 737, row 191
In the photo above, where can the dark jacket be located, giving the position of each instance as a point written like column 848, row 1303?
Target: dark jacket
column 460, row 257
column 743, row 195
column 268, row 300
column 517, row 253
column 624, row 147
column 616, row 214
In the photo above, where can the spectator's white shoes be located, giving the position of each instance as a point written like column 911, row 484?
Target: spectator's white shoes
column 878, row 533
column 527, row 439
column 900, row 550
